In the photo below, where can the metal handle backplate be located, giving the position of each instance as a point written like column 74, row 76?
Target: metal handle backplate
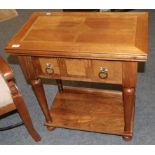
column 49, row 69
column 103, row 74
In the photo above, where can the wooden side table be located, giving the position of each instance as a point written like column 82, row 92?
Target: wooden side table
column 93, row 47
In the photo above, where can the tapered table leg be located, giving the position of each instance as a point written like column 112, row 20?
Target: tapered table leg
column 40, row 94
column 129, row 106
column 129, row 87
column 60, row 85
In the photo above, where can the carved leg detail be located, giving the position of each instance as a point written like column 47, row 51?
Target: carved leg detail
column 60, row 85
column 40, row 94
column 24, row 114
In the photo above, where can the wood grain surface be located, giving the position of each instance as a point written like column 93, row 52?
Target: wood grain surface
column 81, row 34
column 84, row 109
column 80, row 69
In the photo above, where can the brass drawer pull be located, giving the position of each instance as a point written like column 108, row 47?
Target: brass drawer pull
column 49, row 69
column 103, row 74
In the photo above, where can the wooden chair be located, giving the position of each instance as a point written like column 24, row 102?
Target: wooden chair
column 11, row 99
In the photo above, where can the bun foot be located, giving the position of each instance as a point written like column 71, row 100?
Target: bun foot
column 51, row 128
column 127, row 138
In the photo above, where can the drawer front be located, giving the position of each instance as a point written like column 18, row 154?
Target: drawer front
column 49, row 67
column 106, row 71
column 76, row 67
column 82, row 69
column 64, row 68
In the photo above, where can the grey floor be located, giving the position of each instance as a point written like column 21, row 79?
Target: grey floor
column 144, row 130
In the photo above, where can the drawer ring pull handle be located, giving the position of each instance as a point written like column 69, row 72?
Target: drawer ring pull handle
column 49, row 69
column 103, row 74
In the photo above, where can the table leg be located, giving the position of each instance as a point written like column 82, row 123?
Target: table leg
column 40, row 94
column 129, row 87
column 129, row 106
column 60, row 85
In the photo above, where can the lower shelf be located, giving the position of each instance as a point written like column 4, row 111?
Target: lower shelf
column 88, row 109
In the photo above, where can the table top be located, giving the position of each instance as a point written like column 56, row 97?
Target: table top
column 99, row 35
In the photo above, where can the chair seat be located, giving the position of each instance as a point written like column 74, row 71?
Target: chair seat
column 5, row 94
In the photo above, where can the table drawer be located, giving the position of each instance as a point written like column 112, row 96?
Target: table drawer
column 82, row 69
column 49, row 67
column 106, row 71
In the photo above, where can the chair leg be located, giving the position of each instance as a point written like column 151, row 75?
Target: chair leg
column 25, row 116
